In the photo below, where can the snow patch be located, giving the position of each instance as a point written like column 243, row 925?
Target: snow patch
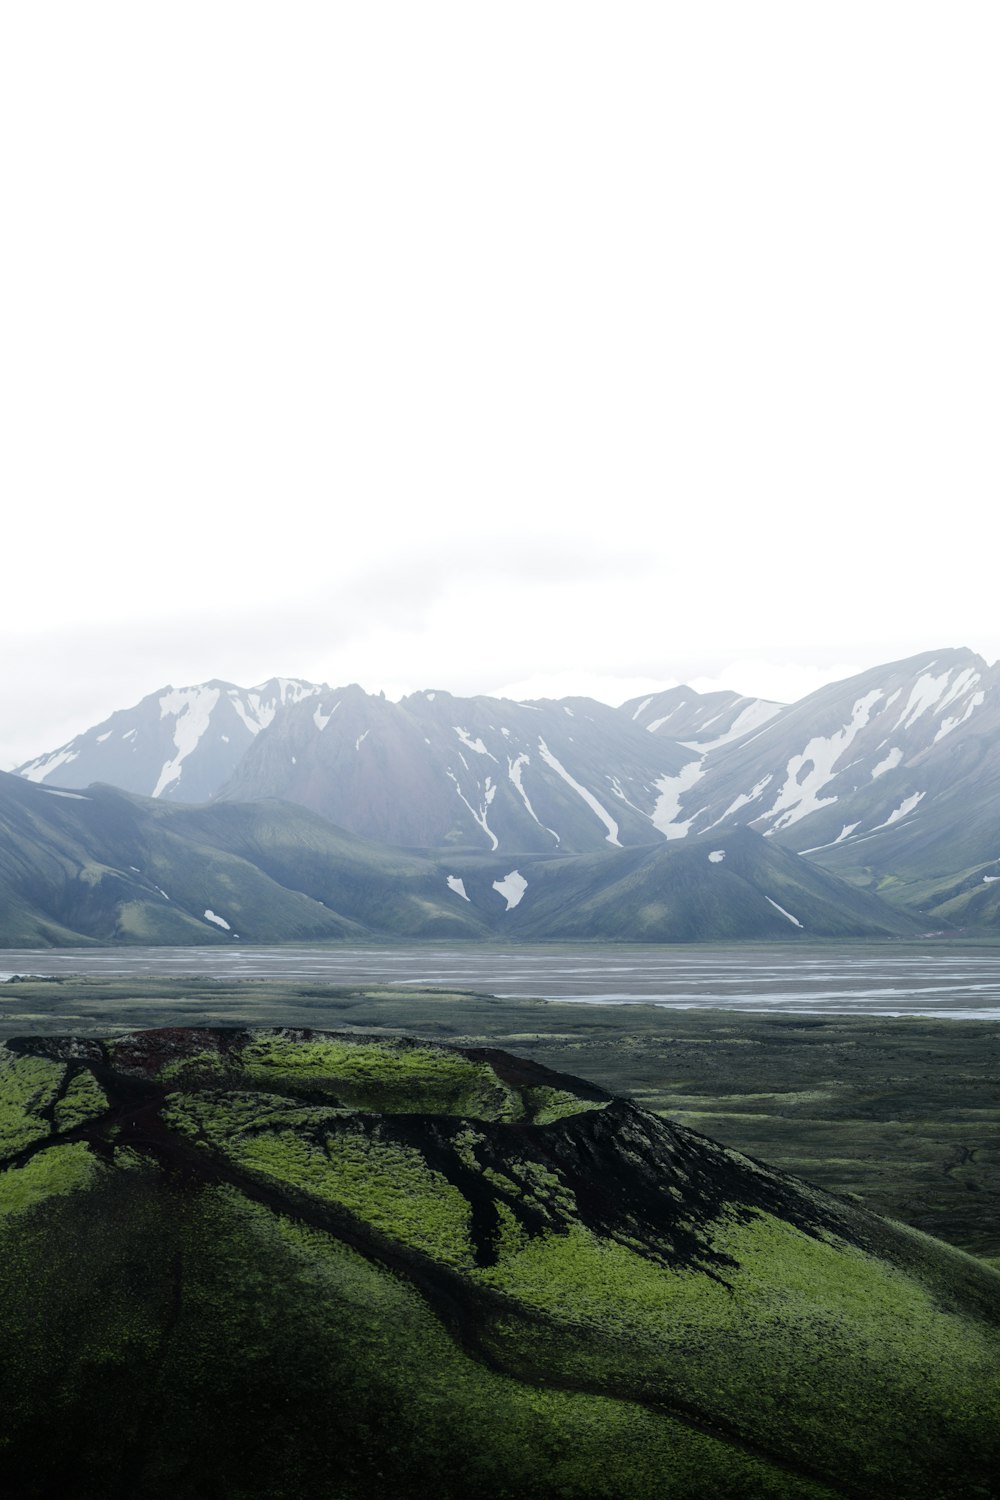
column 889, row 763
column 927, row 691
column 808, row 773
column 642, row 707
column 512, row 887
column 947, row 725
column 784, row 913
column 472, row 744
column 620, row 793
column 39, row 769
column 480, row 816
column 455, row 882
column 902, row 811
column 77, row 796
column 844, row 833
column 210, row 916
column 717, row 856
column 361, row 739
column 102, row 737
column 671, row 789
column 258, row 711
column 514, row 768
column 989, row 879
column 963, row 681
column 611, row 836
column 320, row 719
column 741, row 801
column 192, row 710
column 756, row 714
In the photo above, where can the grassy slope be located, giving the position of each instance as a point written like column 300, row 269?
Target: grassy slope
column 902, row 1113
column 110, row 867
column 675, row 893
column 241, row 1287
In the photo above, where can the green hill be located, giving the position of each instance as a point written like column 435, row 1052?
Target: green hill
column 105, row 866
column 278, row 1264
column 708, row 888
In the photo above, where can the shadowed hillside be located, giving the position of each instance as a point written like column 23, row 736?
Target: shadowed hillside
column 256, row 1264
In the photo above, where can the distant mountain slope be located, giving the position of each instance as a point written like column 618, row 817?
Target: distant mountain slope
column 740, row 886
column 704, row 720
column 264, row 1264
column 106, row 866
column 435, row 770
column 856, row 758
column 177, row 743
column 890, row 778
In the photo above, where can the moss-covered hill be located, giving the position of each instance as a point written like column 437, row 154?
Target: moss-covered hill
column 285, row 1264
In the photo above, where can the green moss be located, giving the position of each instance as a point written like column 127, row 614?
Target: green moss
column 28, row 1086
column 200, row 1069
column 392, row 1076
column 464, row 1143
column 57, row 1169
column 750, row 1350
column 215, row 1117
column 539, row 1185
column 548, row 1104
column 237, row 1343
column 83, row 1100
column 388, row 1185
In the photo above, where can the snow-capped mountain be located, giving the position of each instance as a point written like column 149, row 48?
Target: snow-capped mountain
column 435, row 770
column 854, row 760
column 704, row 721
column 179, row 743
column 893, row 772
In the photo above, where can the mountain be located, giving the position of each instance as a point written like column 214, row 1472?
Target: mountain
column 177, row 743
column 106, row 866
column 738, row 887
column 907, row 746
column 702, row 721
column 439, row 771
column 253, row 1264
column 890, row 779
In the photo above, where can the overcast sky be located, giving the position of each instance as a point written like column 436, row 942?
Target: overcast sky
column 533, row 347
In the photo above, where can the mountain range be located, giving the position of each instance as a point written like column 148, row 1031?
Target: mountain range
column 888, row 781
column 106, row 866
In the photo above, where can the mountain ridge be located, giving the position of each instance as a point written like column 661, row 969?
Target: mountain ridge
column 890, row 779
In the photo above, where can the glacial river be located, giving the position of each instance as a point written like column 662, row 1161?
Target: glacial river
column 895, row 979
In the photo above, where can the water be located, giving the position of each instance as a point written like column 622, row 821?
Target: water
column 857, row 978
